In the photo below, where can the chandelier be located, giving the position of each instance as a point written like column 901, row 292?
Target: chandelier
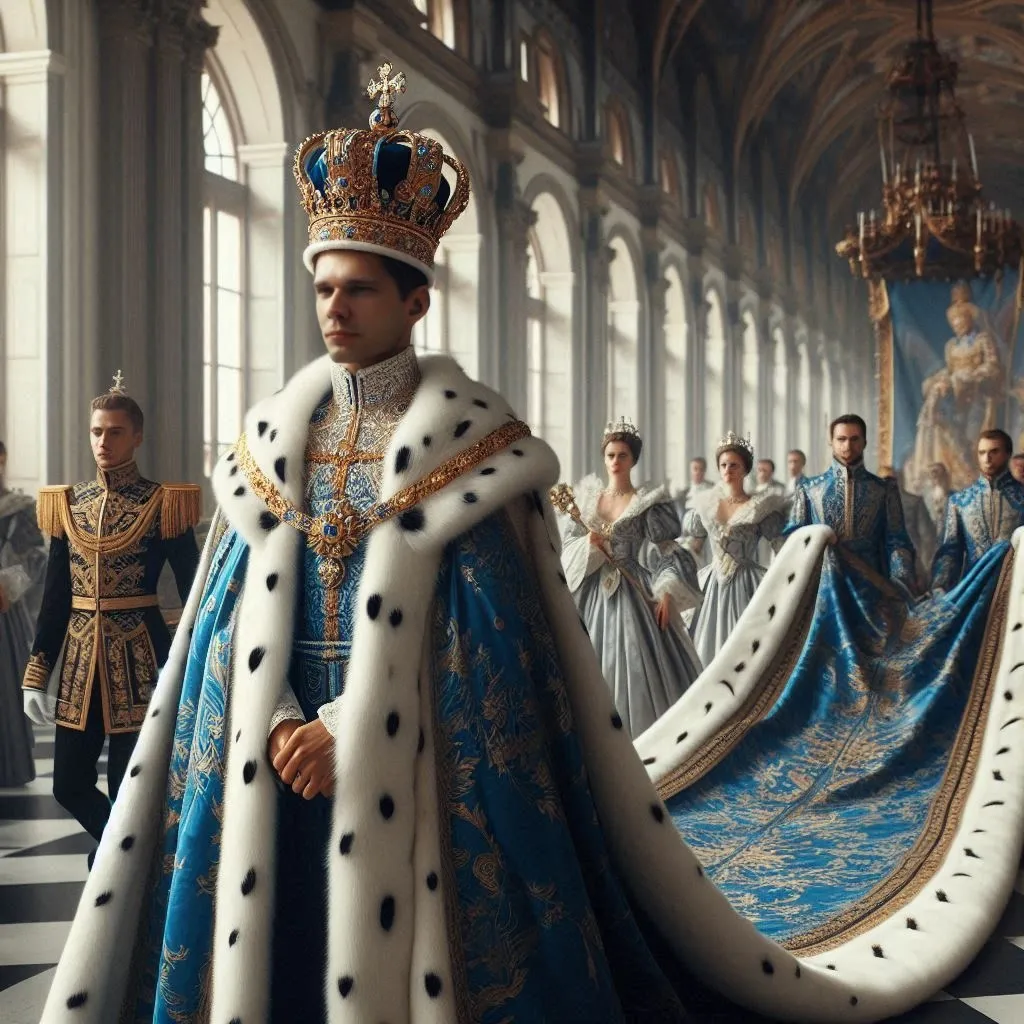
column 933, row 221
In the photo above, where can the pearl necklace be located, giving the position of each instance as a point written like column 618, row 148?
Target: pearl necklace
column 616, row 492
column 732, row 499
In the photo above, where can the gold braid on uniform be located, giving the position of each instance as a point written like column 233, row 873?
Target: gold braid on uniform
column 50, row 509
column 180, row 509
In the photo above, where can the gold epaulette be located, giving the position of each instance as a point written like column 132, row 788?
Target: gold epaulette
column 181, row 507
column 52, row 509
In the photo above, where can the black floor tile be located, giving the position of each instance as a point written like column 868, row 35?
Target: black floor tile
column 44, row 901
column 998, row 970
column 11, row 974
column 80, row 842
column 24, row 808
column 949, row 1011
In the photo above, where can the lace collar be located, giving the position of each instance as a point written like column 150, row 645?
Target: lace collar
column 117, row 477
column 392, row 380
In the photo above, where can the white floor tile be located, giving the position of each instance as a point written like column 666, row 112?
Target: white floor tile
column 16, row 835
column 71, row 867
column 23, row 1003
column 1001, row 1009
column 38, row 943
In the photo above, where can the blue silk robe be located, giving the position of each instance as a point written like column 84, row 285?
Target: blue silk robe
column 539, row 919
column 977, row 517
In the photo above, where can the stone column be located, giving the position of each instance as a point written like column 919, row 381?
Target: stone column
column 765, row 383
column 697, row 326
column 593, row 336
column 169, row 343
column 514, row 219
column 562, row 376
column 652, row 412
column 735, row 414
column 126, row 29
column 460, row 254
column 198, row 38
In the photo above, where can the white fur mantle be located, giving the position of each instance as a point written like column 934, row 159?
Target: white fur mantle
column 388, row 955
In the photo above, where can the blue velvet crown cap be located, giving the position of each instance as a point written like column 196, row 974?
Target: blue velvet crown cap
column 390, row 166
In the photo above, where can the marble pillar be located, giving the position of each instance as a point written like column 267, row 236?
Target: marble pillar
column 592, row 391
column 697, row 327
column 514, row 220
column 651, row 413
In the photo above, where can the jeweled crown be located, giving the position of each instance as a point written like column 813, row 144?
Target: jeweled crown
column 733, row 440
column 380, row 189
column 623, row 425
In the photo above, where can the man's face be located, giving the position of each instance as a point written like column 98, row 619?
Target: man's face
column 795, row 465
column 764, row 472
column 1016, row 468
column 962, row 322
column 992, row 456
column 697, row 471
column 112, row 437
column 848, row 443
column 363, row 318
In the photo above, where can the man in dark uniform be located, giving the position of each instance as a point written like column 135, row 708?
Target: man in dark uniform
column 110, row 538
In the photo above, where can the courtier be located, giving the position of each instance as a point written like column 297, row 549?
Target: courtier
column 980, row 515
column 109, row 539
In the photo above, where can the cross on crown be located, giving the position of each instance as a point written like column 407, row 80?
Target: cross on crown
column 118, row 387
column 385, row 87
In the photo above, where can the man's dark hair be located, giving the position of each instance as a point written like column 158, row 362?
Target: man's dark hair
column 797, row 451
column 998, row 435
column 407, row 278
column 851, row 419
column 120, row 403
column 767, row 462
column 701, row 460
column 1015, row 457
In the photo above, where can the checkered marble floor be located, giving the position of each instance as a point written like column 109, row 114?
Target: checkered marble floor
column 43, row 866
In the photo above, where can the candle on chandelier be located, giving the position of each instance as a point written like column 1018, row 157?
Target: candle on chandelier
column 974, row 156
column 954, row 170
column 860, row 221
column 979, row 223
column 885, row 173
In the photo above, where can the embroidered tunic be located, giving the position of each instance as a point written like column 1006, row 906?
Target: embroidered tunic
column 976, row 518
column 110, row 538
column 865, row 513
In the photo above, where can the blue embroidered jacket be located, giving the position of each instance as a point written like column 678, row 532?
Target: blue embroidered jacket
column 976, row 518
column 866, row 515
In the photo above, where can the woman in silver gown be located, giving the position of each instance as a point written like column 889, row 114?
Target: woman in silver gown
column 734, row 522
column 631, row 581
column 22, row 567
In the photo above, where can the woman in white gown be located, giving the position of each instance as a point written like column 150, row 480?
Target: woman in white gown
column 630, row 581
column 734, row 522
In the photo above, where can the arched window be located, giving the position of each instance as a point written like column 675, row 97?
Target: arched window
column 549, row 79
column 452, row 322
column 623, row 333
column 677, row 441
column 668, row 175
column 446, row 20
column 549, row 307
column 224, row 293
column 749, row 391
column 714, row 369
column 620, row 148
column 780, row 394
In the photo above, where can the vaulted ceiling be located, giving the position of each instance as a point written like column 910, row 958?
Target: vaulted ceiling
column 805, row 77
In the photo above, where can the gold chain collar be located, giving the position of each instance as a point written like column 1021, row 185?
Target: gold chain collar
column 334, row 537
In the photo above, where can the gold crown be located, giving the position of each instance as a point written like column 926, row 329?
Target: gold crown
column 624, row 425
column 733, row 440
column 118, row 388
column 381, row 189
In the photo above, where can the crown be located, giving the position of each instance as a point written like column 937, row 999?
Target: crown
column 624, row 425
column 380, row 190
column 733, row 440
column 118, row 388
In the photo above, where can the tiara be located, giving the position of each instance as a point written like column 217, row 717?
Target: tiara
column 381, row 189
column 624, row 425
column 118, row 388
column 733, row 440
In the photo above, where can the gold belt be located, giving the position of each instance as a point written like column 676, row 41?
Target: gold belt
column 114, row 604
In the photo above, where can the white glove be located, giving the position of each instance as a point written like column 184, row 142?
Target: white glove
column 39, row 706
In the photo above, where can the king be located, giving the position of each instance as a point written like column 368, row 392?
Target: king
column 109, row 539
column 381, row 778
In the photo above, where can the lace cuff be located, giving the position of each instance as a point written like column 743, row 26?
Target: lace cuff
column 288, row 709
column 328, row 714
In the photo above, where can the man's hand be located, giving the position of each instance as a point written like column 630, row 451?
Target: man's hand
column 663, row 611
column 306, row 759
